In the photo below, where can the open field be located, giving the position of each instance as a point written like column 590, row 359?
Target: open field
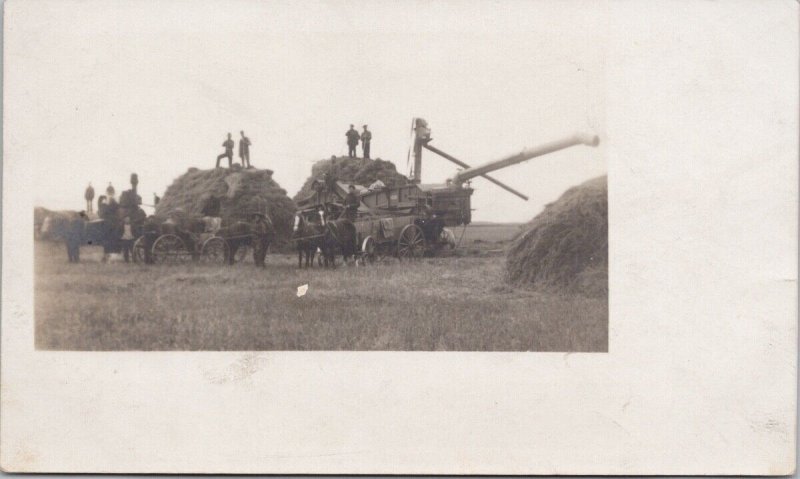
column 454, row 303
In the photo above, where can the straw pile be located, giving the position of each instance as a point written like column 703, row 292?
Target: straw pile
column 565, row 248
column 353, row 170
column 233, row 194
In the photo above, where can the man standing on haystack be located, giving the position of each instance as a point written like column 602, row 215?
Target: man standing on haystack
column 366, row 137
column 244, row 150
column 352, row 141
column 261, row 238
column 88, row 195
column 228, row 145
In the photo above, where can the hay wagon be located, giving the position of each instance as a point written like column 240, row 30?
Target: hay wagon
column 412, row 220
column 197, row 239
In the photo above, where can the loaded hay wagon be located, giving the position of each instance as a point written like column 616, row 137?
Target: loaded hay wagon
column 203, row 239
column 414, row 220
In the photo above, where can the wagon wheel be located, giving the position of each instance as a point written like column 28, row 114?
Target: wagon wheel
column 411, row 243
column 242, row 253
column 368, row 250
column 169, row 249
column 139, row 250
column 215, row 250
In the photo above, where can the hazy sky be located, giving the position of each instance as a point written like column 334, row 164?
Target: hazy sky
column 109, row 88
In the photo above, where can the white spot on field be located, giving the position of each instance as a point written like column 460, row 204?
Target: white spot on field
column 301, row 290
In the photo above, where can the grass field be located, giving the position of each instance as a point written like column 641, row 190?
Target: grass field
column 452, row 304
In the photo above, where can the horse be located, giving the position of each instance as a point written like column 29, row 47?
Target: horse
column 308, row 237
column 238, row 234
column 340, row 236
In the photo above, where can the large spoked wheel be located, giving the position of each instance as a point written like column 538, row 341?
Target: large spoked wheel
column 242, row 253
column 138, row 250
column 411, row 244
column 169, row 249
column 215, row 250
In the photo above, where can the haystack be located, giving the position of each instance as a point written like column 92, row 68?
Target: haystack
column 233, row 194
column 565, row 248
column 359, row 171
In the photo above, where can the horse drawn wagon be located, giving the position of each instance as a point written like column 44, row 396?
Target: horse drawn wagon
column 390, row 221
column 412, row 220
column 184, row 239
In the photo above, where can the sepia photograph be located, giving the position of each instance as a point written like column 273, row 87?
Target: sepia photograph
column 428, row 237
column 319, row 191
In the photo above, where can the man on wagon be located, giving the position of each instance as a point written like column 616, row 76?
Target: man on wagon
column 88, row 195
column 351, row 203
column 261, row 238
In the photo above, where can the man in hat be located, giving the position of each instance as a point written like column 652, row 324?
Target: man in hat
column 351, row 203
column 74, row 237
column 366, row 137
column 88, row 195
column 244, row 150
column 110, row 192
column 352, row 141
column 228, row 145
column 261, row 238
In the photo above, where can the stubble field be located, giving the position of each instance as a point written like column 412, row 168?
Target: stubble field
column 456, row 303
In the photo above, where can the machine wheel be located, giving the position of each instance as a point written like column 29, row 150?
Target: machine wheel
column 138, row 250
column 215, row 250
column 368, row 250
column 169, row 249
column 411, row 243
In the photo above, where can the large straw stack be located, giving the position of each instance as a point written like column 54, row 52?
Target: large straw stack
column 565, row 248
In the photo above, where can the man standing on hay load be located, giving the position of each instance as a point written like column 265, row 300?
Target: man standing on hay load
column 261, row 238
column 228, row 145
column 352, row 141
column 366, row 138
column 244, row 150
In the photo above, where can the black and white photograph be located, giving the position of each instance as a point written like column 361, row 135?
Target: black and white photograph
column 419, row 237
column 322, row 191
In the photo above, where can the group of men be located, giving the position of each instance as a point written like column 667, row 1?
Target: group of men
column 353, row 137
column 244, row 151
column 88, row 195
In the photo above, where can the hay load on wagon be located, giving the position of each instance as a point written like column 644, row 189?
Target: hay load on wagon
column 565, row 248
column 352, row 170
column 232, row 194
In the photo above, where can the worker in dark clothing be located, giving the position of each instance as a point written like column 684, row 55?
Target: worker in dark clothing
column 150, row 233
column 351, row 203
column 244, row 150
column 126, row 241
column 261, row 238
column 74, row 237
column 352, row 141
column 88, row 195
column 110, row 192
column 366, row 138
column 228, row 144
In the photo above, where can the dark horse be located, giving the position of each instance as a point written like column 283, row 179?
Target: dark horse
column 238, row 234
column 308, row 237
column 340, row 237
